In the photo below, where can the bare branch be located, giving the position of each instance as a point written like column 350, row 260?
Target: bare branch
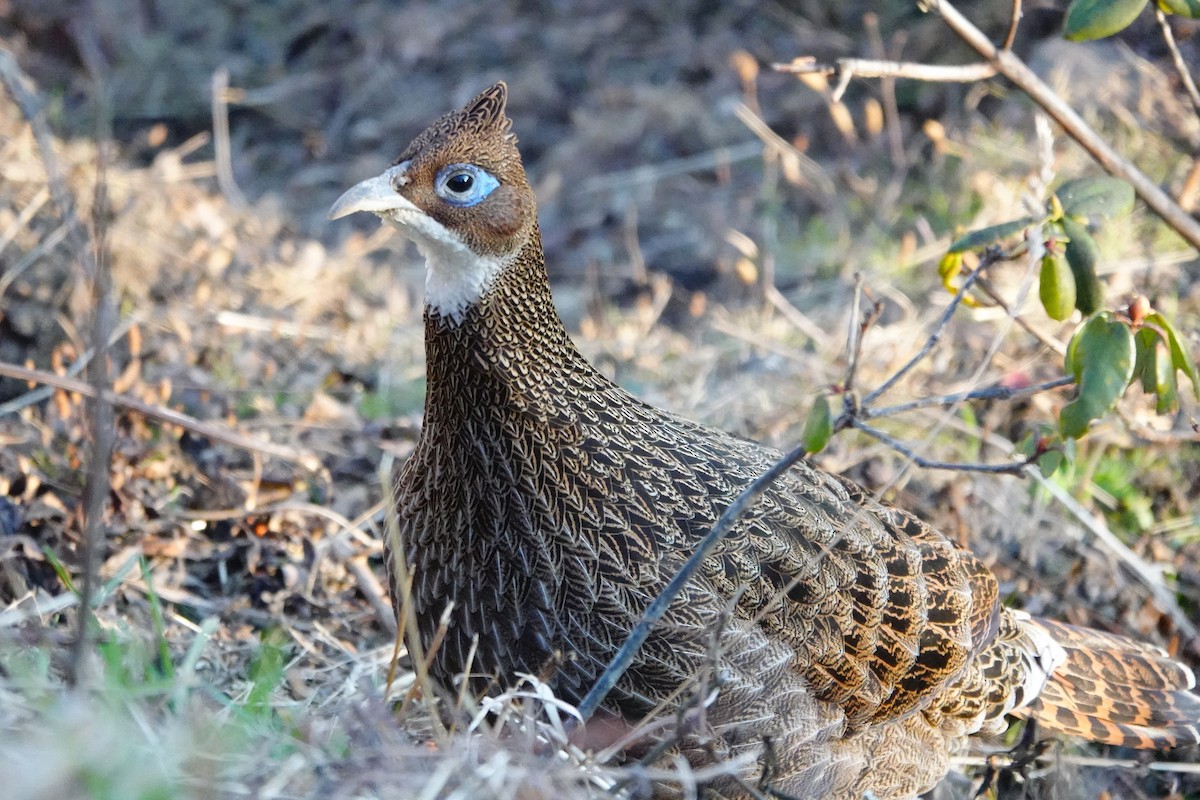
column 31, row 105
column 859, row 325
column 210, row 430
column 990, row 393
column 35, row 396
column 987, row 260
column 1006, row 63
column 92, row 256
column 887, row 90
column 812, row 172
column 1013, row 22
column 102, row 426
column 224, row 151
column 985, row 286
column 1011, row 468
column 1185, row 75
column 1010, row 66
column 848, row 68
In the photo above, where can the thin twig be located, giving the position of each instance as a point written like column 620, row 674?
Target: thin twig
column 1012, row 468
column 633, row 246
column 990, row 393
column 213, row 431
column 1014, row 21
column 45, row 245
column 35, row 396
column 887, row 90
column 95, row 266
column 873, row 68
column 938, row 329
column 1010, row 66
column 31, row 209
column 1034, row 257
column 102, row 429
column 854, row 333
column 985, row 286
column 368, row 584
column 1185, row 75
column 221, row 144
column 401, row 582
column 859, row 325
column 624, row 657
column 21, row 88
column 880, row 68
column 799, row 320
column 812, row 172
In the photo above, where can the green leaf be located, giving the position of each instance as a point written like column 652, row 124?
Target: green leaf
column 1145, row 342
column 1049, row 462
column 1095, row 19
column 818, row 427
column 165, row 665
column 1184, row 8
column 1180, row 358
column 266, row 671
column 1101, row 358
column 989, row 235
column 1100, row 197
column 1056, row 287
column 60, row 569
column 1155, row 370
column 1082, row 254
column 1165, row 386
column 1047, row 449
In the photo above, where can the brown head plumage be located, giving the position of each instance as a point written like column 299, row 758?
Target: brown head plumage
column 459, row 192
column 544, row 508
column 479, row 136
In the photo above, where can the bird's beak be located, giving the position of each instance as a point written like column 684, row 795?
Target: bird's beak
column 374, row 194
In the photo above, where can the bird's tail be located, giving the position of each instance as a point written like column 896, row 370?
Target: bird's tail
column 1114, row 690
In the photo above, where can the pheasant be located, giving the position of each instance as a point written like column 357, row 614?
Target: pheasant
column 544, row 508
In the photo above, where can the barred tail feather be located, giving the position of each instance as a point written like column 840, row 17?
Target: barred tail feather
column 1116, row 691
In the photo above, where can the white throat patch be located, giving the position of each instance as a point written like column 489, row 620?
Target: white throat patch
column 456, row 277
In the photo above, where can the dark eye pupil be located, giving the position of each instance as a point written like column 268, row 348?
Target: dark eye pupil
column 460, row 183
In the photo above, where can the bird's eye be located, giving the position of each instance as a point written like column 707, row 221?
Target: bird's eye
column 464, row 184
column 460, row 182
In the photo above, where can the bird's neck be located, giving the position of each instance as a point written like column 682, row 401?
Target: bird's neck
column 509, row 349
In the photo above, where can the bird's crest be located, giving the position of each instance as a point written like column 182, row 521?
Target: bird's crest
column 480, row 127
column 486, row 111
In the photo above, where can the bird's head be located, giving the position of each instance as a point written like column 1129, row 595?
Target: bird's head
column 459, row 192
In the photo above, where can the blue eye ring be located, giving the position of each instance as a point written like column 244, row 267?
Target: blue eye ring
column 464, row 185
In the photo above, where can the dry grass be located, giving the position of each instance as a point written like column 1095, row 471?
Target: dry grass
column 244, row 634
